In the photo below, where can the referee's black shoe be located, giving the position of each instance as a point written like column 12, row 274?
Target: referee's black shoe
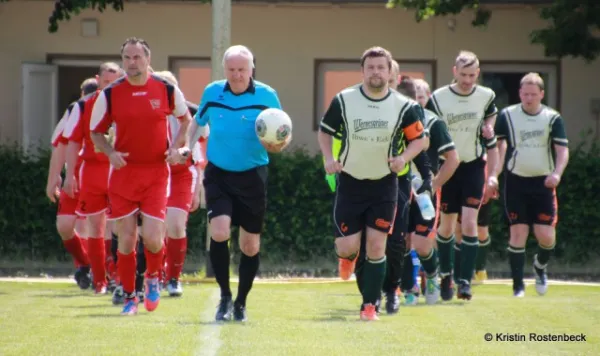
column 225, row 309
column 239, row 312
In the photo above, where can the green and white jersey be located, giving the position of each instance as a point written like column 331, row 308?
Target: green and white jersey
column 464, row 116
column 530, row 139
column 440, row 141
column 371, row 130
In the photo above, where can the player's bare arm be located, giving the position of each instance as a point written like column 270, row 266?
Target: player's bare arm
column 326, row 143
column 451, row 162
column 72, row 152
column 330, row 124
column 197, row 189
column 179, row 150
column 487, row 130
column 54, row 182
column 562, row 159
column 501, row 154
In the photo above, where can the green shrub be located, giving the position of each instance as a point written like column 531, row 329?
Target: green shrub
column 298, row 226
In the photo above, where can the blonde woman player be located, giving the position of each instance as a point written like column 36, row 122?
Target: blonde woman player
column 184, row 197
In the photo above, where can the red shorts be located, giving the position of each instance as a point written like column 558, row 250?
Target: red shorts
column 182, row 184
column 93, row 188
column 66, row 204
column 138, row 187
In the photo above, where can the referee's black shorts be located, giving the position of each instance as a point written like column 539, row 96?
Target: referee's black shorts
column 239, row 195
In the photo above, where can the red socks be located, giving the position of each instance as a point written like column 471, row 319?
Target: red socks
column 176, row 251
column 111, row 267
column 75, row 246
column 126, row 266
column 154, row 263
column 97, row 259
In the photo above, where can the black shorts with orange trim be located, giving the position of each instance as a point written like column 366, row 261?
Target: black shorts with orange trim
column 528, row 201
column 420, row 226
column 360, row 203
column 464, row 188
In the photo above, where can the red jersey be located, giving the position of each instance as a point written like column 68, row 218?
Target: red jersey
column 57, row 135
column 78, row 128
column 139, row 114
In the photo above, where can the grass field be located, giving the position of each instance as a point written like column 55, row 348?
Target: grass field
column 293, row 319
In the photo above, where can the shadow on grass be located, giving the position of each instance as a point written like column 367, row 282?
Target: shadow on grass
column 93, row 306
column 110, row 315
column 61, row 295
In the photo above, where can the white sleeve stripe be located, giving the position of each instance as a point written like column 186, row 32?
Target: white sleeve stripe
column 72, row 121
column 197, row 154
column 180, row 107
column 445, row 147
column 327, row 127
column 58, row 130
column 492, row 142
column 99, row 111
column 560, row 140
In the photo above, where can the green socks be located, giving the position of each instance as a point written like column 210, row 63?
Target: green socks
column 372, row 280
column 429, row 263
column 468, row 253
column 482, row 254
column 445, row 254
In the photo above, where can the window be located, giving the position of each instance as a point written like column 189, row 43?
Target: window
column 333, row 76
column 193, row 76
column 505, row 79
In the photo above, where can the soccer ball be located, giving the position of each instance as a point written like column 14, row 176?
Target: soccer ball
column 273, row 126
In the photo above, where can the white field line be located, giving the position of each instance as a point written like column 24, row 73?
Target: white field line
column 209, row 340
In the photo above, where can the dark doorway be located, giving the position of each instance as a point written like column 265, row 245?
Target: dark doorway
column 506, row 86
column 69, row 84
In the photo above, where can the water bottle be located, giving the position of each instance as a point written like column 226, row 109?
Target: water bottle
column 423, row 200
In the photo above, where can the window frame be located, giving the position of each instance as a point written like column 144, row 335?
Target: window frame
column 323, row 65
column 552, row 90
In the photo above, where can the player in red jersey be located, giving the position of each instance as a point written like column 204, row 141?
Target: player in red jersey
column 69, row 227
column 93, row 174
column 184, row 197
column 139, row 105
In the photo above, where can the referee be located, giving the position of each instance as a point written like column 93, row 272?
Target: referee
column 235, row 178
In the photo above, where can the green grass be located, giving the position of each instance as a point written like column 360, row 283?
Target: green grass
column 292, row 319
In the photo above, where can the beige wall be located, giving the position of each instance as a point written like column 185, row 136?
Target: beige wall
column 285, row 45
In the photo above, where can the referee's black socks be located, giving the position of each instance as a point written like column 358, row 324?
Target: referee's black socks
column 247, row 272
column 219, row 258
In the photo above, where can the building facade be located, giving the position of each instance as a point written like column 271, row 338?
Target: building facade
column 306, row 51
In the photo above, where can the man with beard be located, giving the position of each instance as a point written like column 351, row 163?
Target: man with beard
column 372, row 118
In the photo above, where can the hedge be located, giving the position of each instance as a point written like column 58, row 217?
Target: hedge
column 298, row 224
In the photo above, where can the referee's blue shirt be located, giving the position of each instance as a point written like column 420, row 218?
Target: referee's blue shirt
column 233, row 144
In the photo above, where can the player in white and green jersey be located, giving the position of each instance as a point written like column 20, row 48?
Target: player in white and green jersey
column 421, row 231
column 466, row 108
column 372, row 119
column 532, row 137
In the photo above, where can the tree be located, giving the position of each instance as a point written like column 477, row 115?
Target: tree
column 63, row 9
column 573, row 25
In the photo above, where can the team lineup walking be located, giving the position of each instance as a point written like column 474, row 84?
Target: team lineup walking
column 413, row 172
